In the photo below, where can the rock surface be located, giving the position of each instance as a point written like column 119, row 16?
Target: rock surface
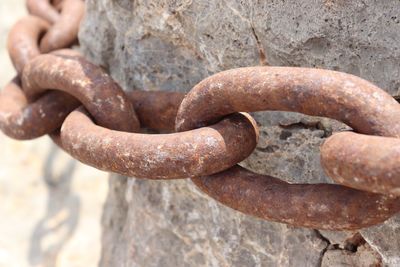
column 172, row 45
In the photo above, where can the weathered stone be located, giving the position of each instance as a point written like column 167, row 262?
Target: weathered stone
column 172, row 45
column 365, row 256
column 338, row 239
column 173, row 224
column 385, row 239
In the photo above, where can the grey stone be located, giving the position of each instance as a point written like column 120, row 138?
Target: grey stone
column 385, row 239
column 153, row 223
column 365, row 256
column 172, row 45
column 338, row 239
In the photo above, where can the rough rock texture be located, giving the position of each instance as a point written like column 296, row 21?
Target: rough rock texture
column 172, row 45
column 363, row 257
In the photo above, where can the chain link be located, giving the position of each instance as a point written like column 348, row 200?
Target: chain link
column 212, row 136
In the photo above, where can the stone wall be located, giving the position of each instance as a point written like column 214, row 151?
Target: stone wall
column 172, row 45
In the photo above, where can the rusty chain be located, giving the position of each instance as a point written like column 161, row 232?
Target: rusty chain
column 88, row 115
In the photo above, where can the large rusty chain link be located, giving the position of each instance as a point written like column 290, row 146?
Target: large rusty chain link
column 60, row 93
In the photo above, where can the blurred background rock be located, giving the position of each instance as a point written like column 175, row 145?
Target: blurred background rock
column 50, row 205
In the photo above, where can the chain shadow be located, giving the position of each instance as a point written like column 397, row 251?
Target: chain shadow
column 57, row 226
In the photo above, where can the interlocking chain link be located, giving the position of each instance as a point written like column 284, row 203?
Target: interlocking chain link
column 88, row 115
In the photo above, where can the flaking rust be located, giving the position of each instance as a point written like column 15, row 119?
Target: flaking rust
column 318, row 206
column 352, row 100
column 344, row 97
column 67, row 71
column 201, row 151
column 156, row 109
column 370, row 163
column 22, row 120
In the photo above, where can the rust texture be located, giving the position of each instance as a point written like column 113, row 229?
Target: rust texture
column 163, row 156
column 95, row 89
column 370, row 163
column 65, row 30
column 22, row 120
column 318, row 206
column 344, row 97
column 43, row 9
column 23, row 40
column 156, row 109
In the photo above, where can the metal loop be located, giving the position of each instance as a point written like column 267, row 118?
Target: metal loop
column 165, row 156
column 341, row 96
column 67, row 71
column 23, row 40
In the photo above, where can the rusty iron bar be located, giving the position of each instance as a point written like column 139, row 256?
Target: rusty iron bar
column 370, row 163
column 206, row 150
column 318, row 206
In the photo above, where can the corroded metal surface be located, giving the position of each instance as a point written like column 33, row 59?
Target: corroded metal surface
column 22, row 120
column 19, row 118
column 340, row 96
column 163, row 156
column 370, row 163
column 65, row 30
column 156, row 109
column 347, row 98
column 320, row 206
column 95, row 89
column 23, row 40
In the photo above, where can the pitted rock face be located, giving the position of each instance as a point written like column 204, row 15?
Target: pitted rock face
column 172, row 45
